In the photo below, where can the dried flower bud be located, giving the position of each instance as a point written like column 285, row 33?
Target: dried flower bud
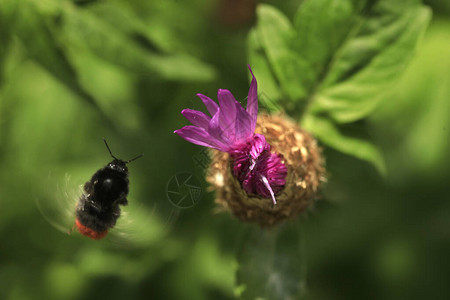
column 301, row 155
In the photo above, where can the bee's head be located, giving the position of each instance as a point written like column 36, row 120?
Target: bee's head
column 118, row 165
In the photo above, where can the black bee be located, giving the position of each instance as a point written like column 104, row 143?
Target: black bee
column 98, row 208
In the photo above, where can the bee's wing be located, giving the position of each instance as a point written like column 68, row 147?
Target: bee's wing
column 57, row 201
column 143, row 225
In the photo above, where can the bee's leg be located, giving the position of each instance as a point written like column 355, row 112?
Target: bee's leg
column 88, row 187
column 71, row 230
column 122, row 200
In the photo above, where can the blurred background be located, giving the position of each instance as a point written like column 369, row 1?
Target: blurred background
column 73, row 72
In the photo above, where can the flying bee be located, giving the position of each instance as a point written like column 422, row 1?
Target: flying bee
column 99, row 207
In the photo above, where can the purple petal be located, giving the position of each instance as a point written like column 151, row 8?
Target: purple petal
column 243, row 130
column 252, row 100
column 258, row 146
column 227, row 116
column 247, row 184
column 211, row 106
column 196, row 135
column 217, row 133
column 197, row 118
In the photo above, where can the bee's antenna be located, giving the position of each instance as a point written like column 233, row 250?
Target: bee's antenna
column 139, row 156
column 109, row 149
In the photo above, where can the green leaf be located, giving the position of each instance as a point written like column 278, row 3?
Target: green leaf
column 4, row 42
column 337, row 61
column 81, row 29
column 329, row 134
column 321, row 27
column 341, row 57
column 273, row 36
column 367, row 64
column 123, row 19
column 416, row 125
column 267, row 85
column 41, row 46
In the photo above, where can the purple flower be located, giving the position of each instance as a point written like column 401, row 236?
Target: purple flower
column 232, row 129
column 259, row 171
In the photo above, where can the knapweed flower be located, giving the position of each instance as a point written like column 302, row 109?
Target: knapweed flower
column 265, row 169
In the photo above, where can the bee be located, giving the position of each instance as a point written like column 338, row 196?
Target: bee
column 99, row 206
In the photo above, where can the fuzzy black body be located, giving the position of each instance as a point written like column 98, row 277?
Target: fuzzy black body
column 98, row 208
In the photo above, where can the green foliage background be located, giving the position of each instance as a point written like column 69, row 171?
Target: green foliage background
column 369, row 78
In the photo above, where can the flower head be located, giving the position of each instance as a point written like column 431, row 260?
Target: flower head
column 231, row 129
column 257, row 161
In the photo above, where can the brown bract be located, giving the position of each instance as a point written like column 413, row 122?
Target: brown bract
column 306, row 172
